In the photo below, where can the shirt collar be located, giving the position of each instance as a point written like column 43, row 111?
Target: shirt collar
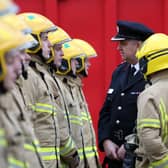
column 136, row 66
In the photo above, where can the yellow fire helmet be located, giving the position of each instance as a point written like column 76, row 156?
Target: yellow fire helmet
column 16, row 23
column 39, row 24
column 10, row 40
column 88, row 50
column 153, row 55
column 8, row 6
column 70, row 50
column 57, row 37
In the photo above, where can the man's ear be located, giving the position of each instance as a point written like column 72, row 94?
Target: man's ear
column 139, row 43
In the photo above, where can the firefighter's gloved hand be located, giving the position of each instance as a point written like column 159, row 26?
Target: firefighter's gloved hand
column 129, row 160
column 130, row 146
column 75, row 161
column 130, row 156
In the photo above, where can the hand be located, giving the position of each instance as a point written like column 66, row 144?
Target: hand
column 121, row 152
column 75, row 161
column 111, row 149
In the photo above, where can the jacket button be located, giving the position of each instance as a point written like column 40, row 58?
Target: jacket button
column 119, row 108
column 117, row 121
column 122, row 94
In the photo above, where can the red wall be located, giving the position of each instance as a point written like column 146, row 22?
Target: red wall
column 94, row 21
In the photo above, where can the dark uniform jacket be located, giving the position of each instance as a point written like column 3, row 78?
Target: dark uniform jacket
column 118, row 115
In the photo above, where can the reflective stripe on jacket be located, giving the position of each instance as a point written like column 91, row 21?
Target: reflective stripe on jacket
column 152, row 123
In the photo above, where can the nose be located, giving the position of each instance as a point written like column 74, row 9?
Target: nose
column 17, row 64
column 88, row 64
column 49, row 44
column 62, row 53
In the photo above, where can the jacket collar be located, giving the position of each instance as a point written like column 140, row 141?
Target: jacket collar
column 138, row 77
column 158, row 76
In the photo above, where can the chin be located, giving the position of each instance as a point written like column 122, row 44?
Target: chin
column 58, row 65
column 9, row 87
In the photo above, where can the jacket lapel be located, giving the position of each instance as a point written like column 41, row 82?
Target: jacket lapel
column 123, row 79
column 135, row 79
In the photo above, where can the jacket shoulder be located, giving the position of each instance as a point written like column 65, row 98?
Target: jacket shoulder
column 121, row 67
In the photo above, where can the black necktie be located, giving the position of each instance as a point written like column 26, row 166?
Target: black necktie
column 131, row 73
column 133, row 69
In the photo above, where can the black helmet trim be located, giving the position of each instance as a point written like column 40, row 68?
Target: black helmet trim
column 145, row 59
column 157, row 54
column 143, row 64
column 52, row 29
column 63, row 41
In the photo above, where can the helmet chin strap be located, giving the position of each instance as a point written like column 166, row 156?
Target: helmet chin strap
column 83, row 73
column 40, row 54
column 72, row 74
column 149, row 81
column 24, row 72
column 3, row 90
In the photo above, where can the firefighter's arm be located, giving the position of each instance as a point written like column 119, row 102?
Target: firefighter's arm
column 152, row 129
column 68, row 149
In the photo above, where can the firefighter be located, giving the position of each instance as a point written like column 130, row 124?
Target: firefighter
column 32, row 146
column 58, row 38
column 8, row 69
column 68, row 92
column 152, row 103
column 82, row 72
column 46, row 105
column 82, row 132
column 10, row 122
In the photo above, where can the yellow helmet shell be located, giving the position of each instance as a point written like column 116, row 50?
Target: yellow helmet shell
column 70, row 50
column 9, row 40
column 15, row 22
column 154, row 53
column 2, row 68
column 57, row 37
column 86, row 47
column 7, row 7
column 38, row 24
column 88, row 50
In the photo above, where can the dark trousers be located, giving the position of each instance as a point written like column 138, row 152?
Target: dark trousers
column 108, row 163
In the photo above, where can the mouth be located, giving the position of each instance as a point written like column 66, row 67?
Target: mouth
column 15, row 76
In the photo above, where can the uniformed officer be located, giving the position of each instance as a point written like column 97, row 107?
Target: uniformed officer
column 152, row 104
column 119, row 111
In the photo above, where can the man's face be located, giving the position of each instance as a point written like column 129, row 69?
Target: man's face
column 58, row 54
column 25, row 59
column 46, row 45
column 13, row 64
column 87, row 65
column 128, row 50
column 74, row 63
